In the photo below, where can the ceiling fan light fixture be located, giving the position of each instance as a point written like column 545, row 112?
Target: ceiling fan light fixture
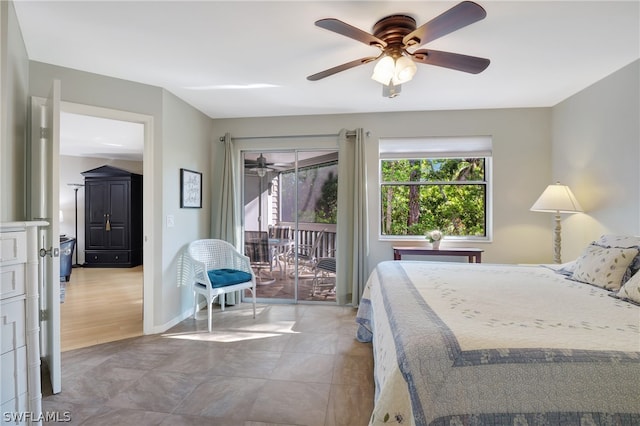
column 261, row 166
column 390, row 70
column 384, row 70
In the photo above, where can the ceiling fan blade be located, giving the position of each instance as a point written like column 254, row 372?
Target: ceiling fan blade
column 350, row 31
column 459, row 16
column 339, row 68
column 456, row 61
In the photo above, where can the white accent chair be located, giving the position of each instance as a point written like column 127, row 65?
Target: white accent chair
column 222, row 261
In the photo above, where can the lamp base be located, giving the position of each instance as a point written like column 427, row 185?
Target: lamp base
column 557, row 242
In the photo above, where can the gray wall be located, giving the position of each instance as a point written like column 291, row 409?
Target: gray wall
column 591, row 142
column 596, row 151
column 187, row 144
column 521, row 165
column 14, row 85
column 181, row 139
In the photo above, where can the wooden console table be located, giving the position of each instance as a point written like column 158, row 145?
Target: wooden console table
column 473, row 254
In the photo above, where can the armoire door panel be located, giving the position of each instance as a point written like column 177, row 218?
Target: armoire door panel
column 96, row 198
column 118, row 202
column 118, row 238
column 95, row 238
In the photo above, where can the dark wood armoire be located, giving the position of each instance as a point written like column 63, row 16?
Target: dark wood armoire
column 113, row 218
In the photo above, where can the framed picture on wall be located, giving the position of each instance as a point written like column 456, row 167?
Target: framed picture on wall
column 190, row 189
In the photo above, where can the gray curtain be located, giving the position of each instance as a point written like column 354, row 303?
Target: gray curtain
column 223, row 222
column 352, row 234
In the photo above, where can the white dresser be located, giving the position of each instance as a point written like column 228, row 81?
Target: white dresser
column 20, row 393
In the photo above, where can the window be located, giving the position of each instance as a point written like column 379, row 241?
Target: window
column 435, row 183
column 316, row 187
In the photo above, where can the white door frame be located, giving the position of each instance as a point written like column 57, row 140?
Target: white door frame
column 148, row 196
column 44, row 202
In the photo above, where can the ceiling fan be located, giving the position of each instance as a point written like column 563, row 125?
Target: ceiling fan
column 261, row 166
column 395, row 34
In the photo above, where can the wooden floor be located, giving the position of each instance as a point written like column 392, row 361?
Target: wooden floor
column 101, row 305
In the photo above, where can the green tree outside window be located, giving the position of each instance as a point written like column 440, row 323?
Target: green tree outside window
column 419, row 195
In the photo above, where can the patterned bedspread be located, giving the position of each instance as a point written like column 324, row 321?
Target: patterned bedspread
column 482, row 344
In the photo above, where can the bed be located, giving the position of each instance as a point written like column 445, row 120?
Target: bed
column 488, row 344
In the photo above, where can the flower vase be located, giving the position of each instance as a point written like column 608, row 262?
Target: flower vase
column 435, row 245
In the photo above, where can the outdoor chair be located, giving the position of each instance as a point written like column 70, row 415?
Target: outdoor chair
column 256, row 247
column 324, row 277
column 307, row 255
column 281, row 242
column 217, row 268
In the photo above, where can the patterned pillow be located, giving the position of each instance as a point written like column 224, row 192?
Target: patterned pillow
column 631, row 289
column 603, row 266
column 622, row 241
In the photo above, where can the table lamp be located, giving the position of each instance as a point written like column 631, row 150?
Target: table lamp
column 557, row 199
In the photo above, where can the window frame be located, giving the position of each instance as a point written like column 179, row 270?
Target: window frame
column 431, row 154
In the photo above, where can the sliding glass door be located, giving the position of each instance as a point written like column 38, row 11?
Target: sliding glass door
column 290, row 211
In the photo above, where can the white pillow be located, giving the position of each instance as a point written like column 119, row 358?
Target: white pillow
column 622, row 241
column 631, row 289
column 603, row 266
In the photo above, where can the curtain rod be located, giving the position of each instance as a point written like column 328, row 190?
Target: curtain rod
column 349, row 133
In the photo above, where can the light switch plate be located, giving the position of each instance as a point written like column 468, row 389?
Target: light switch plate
column 171, row 221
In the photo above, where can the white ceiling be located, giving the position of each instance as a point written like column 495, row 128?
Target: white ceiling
column 87, row 136
column 216, row 54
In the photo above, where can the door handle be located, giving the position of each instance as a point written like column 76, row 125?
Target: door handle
column 107, row 226
column 53, row 252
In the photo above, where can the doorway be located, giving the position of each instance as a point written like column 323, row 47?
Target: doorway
column 118, row 139
column 289, row 223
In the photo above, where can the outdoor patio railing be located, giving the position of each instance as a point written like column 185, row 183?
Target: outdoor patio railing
column 307, row 234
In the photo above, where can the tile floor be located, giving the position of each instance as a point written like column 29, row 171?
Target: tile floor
column 292, row 365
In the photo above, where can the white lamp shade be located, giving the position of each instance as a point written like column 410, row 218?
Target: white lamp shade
column 404, row 71
column 557, row 199
column 384, row 70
